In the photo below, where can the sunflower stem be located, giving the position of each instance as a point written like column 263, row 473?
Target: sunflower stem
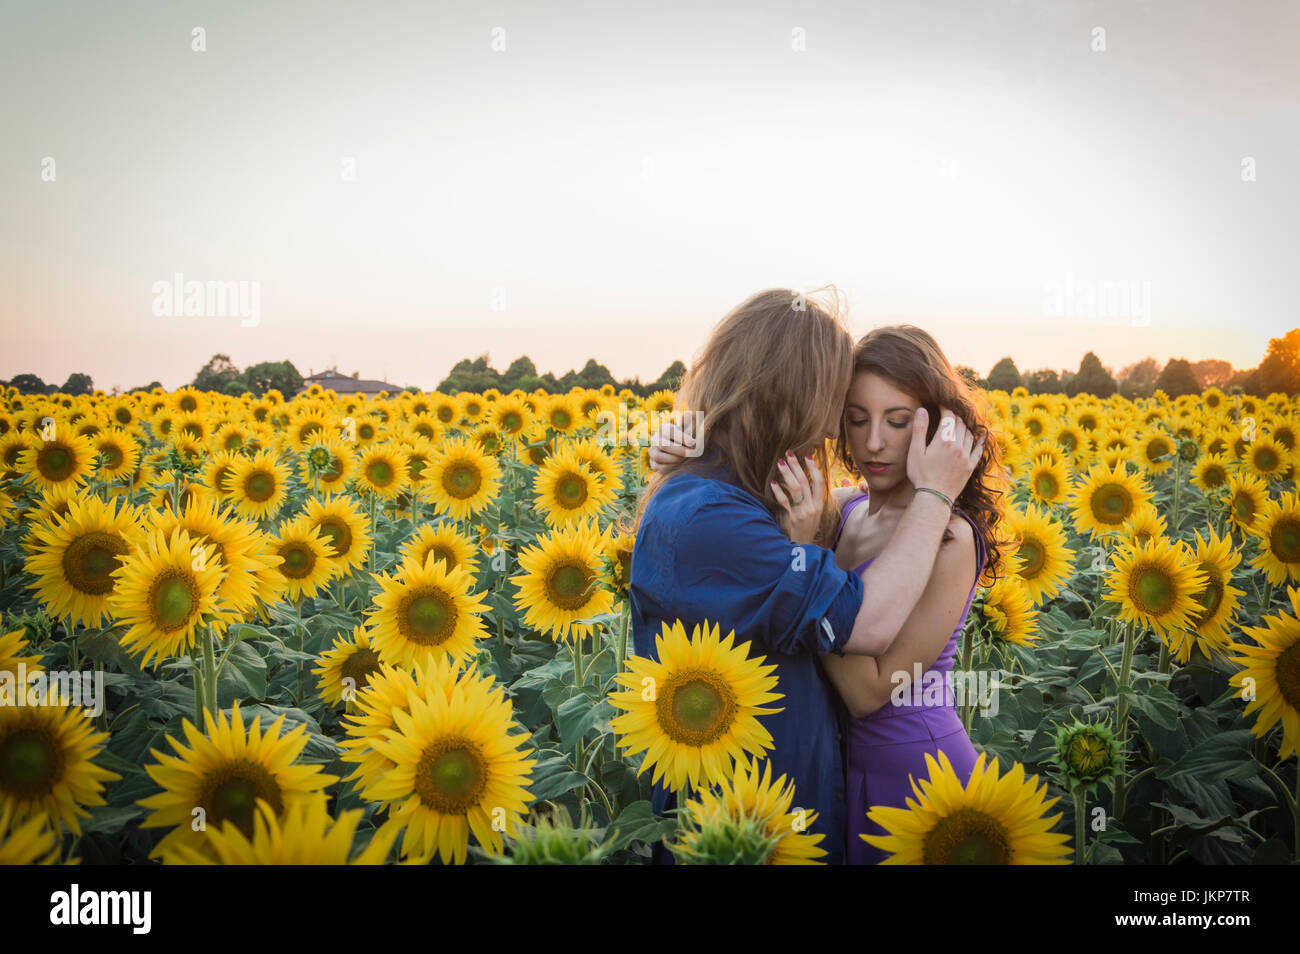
column 1080, row 827
column 209, row 670
column 374, row 542
column 622, row 637
column 1121, row 712
column 1163, row 667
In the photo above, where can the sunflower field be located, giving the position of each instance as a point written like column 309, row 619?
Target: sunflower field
column 394, row 629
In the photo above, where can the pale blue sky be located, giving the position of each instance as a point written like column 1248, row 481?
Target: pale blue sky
column 624, row 173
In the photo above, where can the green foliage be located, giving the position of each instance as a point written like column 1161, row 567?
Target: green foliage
column 1005, row 376
column 479, row 375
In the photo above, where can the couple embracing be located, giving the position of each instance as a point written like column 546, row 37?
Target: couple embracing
column 885, row 571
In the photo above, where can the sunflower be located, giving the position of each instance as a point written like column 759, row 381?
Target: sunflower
column 567, row 490
column 31, row 842
column 695, row 708
column 74, row 559
column 1155, row 583
column 1155, row 452
column 457, row 768
column 1211, row 472
column 244, row 550
column 561, row 582
column 258, row 485
column 446, row 410
column 338, row 463
column 343, row 526
column 1106, row 498
column 305, row 836
column 462, row 479
column 751, row 794
column 63, row 459
column 306, row 559
column 989, row 821
column 510, row 415
column 1247, row 497
column 47, row 763
column 561, row 415
column 161, row 597
column 1145, row 524
column 445, row 543
column 1219, row 599
column 231, row 438
column 1267, row 457
column 221, row 775
column 426, row 609
column 1046, row 562
column 1008, row 610
column 1270, row 678
column 12, row 645
column 12, row 446
column 118, row 451
column 589, row 452
column 384, row 470
column 1278, row 531
column 618, row 554
column 346, row 668
column 217, row 471
column 1048, row 480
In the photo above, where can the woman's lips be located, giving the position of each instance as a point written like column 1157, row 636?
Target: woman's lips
column 877, row 468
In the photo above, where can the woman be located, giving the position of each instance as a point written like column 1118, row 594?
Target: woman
column 771, row 380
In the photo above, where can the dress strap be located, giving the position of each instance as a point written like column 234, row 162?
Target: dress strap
column 844, row 514
column 981, row 551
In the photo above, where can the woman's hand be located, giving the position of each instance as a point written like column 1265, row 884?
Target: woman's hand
column 670, row 443
column 801, row 497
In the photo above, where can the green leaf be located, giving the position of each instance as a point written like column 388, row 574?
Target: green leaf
column 638, row 822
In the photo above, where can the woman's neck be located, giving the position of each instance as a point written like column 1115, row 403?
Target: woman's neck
column 896, row 497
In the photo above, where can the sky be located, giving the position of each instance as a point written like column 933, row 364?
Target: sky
column 399, row 185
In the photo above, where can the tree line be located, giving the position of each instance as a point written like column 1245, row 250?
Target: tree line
column 1278, row 371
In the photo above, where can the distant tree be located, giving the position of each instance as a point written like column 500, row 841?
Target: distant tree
column 214, row 375
column 970, row 376
column 1178, row 379
column 78, row 383
column 1092, row 378
column 280, row 375
column 1138, row 380
column 148, row 387
column 1280, row 369
column 467, row 375
column 520, row 368
column 1212, row 372
column 670, row 380
column 29, row 384
column 594, row 375
column 1044, row 381
column 1004, row 376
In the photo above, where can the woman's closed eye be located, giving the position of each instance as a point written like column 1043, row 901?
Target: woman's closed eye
column 896, row 425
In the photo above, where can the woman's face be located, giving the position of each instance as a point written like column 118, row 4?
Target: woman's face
column 878, row 426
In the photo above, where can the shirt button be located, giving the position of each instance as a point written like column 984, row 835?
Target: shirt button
column 839, row 736
column 840, row 796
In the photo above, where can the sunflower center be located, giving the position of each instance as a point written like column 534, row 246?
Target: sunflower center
column 1152, row 591
column 560, row 420
column 696, row 708
column 55, row 462
column 445, row 414
column 427, row 617
column 451, row 776
column 339, row 535
column 89, row 562
column 359, row 666
column 1214, row 476
column 1158, row 448
column 299, row 560
column 1284, row 540
column 571, row 491
column 1211, row 596
column 1088, row 756
column 461, row 480
column 511, row 421
column 231, row 793
column 380, row 473
column 173, row 599
column 1288, row 675
column 444, row 553
column 1031, row 551
column 967, row 837
column 1266, row 460
column 112, row 455
column 567, row 585
column 259, row 486
column 31, row 764
column 1112, row 504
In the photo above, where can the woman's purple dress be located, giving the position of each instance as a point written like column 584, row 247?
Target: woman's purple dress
column 883, row 749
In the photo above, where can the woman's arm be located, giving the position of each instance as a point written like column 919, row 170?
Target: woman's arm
column 865, row 683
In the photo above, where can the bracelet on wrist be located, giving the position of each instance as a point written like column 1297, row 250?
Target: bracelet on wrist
column 938, row 493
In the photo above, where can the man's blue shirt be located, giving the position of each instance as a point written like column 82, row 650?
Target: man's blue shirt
column 706, row 549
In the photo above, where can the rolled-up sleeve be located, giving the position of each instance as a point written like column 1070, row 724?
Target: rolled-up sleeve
column 736, row 567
